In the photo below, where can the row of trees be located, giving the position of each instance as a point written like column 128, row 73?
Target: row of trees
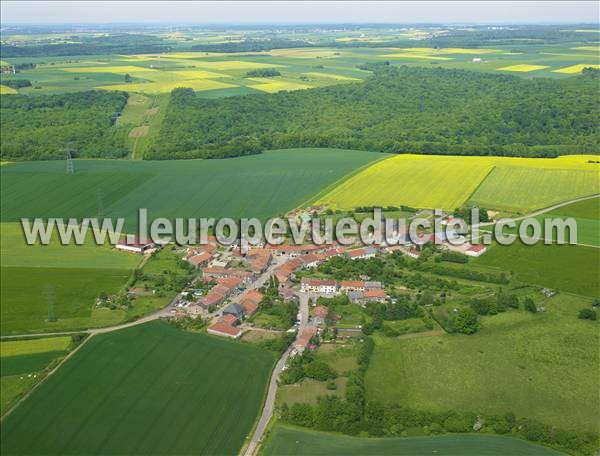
column 40, row 127
column 398, row 110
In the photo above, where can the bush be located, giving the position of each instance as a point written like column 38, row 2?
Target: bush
column 587, row 314
column 465, row 321
column 530, row 305
column 319, row 371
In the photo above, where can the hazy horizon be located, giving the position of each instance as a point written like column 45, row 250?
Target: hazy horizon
column 299, row 13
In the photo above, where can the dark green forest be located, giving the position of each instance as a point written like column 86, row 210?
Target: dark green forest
column 120, row 43
column 397, row 110
column 41, row 127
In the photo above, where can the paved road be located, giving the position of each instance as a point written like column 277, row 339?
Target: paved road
column 547, row 209
column 269, row 406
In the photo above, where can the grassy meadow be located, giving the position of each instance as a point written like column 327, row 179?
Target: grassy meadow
column 288, row 440
column 260, row 186
column 448, row 182
column 22, row 363
column 63, row 280
column 540, row 366
column 149, row 389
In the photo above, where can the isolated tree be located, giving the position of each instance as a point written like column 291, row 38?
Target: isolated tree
column 465, row 321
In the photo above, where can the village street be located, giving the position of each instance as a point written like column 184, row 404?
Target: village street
column 269, row 406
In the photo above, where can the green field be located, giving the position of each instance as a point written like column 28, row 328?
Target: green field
column 149, row 389
column 565, row 267
column 22, row 363
column 261, row 186
column 524, row 189
column 287, row 440
column 538, row 366
column 63, row 280
column 448, row 182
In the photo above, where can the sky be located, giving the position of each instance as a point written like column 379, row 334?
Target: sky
column 270, row 12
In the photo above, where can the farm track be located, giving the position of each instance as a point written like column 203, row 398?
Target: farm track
column 545, row 210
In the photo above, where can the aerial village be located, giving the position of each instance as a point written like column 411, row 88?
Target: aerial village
column 234, row 278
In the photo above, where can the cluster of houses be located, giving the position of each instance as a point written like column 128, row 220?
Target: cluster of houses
column 232, row 314
column 358, row 291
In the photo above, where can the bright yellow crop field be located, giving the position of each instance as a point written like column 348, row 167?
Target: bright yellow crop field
column 523, row 68
column 125, row 69
column 167, row 86
column 26, row 347
column 412, row 180
column 5, row 90
column 338, row 77
column 575, row 69
column 277, row 86
column 235, row 65
column 447, row 182
column 198, row 74
column 414, row 55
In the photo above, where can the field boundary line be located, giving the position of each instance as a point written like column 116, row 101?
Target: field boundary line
column 341, row 180
column 480, row 183
column 43, row 380
column 546, row 209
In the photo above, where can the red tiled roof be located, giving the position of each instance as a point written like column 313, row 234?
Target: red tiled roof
column 352, row 284
column 318, row 282
column 212, row 298
column 200, row 259
column 225, row 328
column 374, row 293
column 477, row 248
column 228, row 319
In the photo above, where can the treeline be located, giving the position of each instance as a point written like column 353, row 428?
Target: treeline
column 41, row 127
column 398, row 110
column 263, row 73
column 17, row 83
column 391, row 420
column 252, row 45
column 121, row 43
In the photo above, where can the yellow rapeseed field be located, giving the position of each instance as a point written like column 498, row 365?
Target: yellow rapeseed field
column 575, row 69
column 167, row 86
column 5, row 90
column 447, row 182
column 523, row 68
column 338, row 77
column 277, row 86
column 414, row 55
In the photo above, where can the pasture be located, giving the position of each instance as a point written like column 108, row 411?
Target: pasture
column 22, row 363
column 288, row 440
column 448, row 182
column 260, row 186
column 60, row 280
column 539, row 366
column 565, row 267
column 146, row 389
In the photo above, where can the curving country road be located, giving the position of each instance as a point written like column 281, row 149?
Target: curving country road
column 269, row 406
column 546, row 209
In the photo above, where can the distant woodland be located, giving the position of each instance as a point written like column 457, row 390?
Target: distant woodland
column 397, row 110
column 41, row 127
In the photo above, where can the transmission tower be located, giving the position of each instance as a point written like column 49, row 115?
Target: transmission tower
column 69, row 152
column 50, row 298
